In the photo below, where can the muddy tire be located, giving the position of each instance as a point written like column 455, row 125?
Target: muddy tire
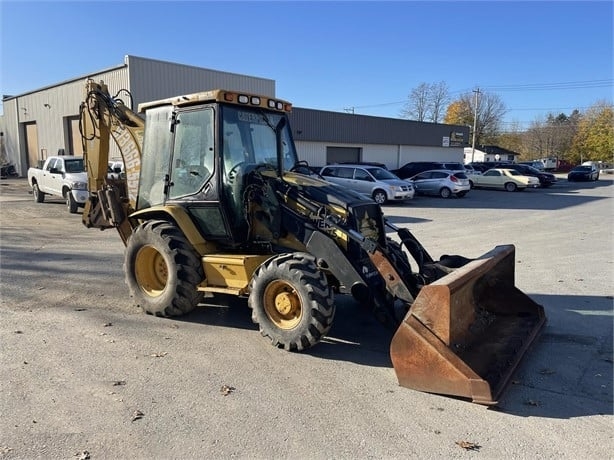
column 162, row 270
column 39, row 196
column 291, row 301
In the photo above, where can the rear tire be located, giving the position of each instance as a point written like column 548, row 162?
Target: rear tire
column 380, row 197
column 39, row 196
column 461, row 194
column 445, row 192
column 291, row 301
column 510, row 187
column 162, row 270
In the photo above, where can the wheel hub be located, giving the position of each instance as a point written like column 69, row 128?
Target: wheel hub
column 282, row 304
column 151, row 271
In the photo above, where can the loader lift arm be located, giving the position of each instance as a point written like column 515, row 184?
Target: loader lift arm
column 102, row 118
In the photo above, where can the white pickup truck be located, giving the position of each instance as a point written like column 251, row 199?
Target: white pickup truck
column 61, row 176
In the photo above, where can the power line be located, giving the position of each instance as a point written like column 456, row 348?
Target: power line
column 522, row 87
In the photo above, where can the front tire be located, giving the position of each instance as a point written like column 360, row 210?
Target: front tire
column 39, row 196
column 71, row 204
column 291, row 301
column 510, row 187
column 162, row 270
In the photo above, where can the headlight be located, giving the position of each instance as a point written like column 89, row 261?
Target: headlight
column 79, row 185
column 396, row 188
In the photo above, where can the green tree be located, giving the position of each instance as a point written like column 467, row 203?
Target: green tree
column 594, row 139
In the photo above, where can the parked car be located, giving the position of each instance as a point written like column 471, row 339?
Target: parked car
column 545, row 179
column 505, row 179
column 115, row 169
column 471, row 171
column 444, row 183
column 484, row 166
column 378, row 183
column 411, row 169
column 60, row 176
column 537, row 164
column 583, row 173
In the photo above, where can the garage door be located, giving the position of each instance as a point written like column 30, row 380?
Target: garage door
column 32, row 144
column 76, row 147
column 342, row 154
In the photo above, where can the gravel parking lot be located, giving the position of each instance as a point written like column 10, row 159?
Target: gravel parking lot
column 87, row 375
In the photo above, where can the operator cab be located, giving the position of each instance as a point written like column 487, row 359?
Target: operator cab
column 199, row 155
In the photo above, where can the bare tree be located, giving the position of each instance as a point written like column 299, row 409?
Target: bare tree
column 439, row 97
column 417, row 105
column 426, row 102
column 490, row 112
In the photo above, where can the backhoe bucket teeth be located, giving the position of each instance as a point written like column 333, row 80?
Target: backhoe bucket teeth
column 466, row 333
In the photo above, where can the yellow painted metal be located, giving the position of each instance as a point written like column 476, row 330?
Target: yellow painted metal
column 230, row 271
column 151, row 271
column 181, row 217
column 282, row 304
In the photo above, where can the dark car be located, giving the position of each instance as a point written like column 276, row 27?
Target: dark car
column 416, row 167
column 484, row 166
column 545, row 179
column 583, row 173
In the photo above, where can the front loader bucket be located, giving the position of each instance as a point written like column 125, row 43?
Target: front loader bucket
column 466, row 333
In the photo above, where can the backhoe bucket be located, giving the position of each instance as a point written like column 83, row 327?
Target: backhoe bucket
column 466, row 333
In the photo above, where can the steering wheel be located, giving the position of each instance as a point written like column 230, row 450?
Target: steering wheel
column 232, row 172
column 301, row 167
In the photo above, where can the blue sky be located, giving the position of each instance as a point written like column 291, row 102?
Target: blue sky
column 539, row 57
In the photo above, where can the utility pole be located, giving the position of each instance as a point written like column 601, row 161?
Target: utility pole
column 475, row 122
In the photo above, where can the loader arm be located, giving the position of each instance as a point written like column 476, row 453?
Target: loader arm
column 102, row 118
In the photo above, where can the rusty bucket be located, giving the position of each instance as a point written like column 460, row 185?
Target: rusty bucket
column 466, row 333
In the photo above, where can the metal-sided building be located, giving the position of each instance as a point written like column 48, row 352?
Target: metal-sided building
column 45, row 121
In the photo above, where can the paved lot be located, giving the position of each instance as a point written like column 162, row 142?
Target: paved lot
column 86, row 374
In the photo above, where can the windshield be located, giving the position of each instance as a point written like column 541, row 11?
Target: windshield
column 248, row 136
column 381, row 174
column 74, row 166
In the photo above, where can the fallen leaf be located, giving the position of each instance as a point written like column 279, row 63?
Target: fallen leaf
column 118, row 383
column 85, row 455
column 18, row 332
column 226, row 390
column 547, row 371
column 531, row 402
column 516, row 382
column 468, row 445
column 107, row 324
column 159, row 355
column 137, row 415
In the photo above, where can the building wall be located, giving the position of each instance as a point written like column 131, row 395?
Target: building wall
column 53, row 109
column 151, row 80
column 393, row 156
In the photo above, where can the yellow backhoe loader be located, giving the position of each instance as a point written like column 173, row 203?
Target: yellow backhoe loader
column 214, row 200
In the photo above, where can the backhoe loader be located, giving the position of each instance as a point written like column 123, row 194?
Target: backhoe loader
column 215, row 200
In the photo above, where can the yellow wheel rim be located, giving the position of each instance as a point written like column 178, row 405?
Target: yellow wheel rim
column 282, row 305
column 151, row 271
